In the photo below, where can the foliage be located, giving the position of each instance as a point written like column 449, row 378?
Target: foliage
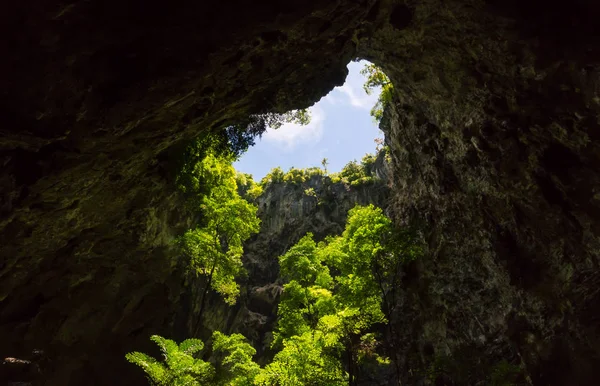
column 229, row 143
column 247, row 188
column 310, row 192
column 292, row 176
column 301, row 263
column 273, row 177
column 241, row 135
column 179, row 368
column 368, row 162
column 353, row 173
column 356, row 174
column 236, row 365
column 324, row 163
column 327, row 324
column 377, row 78
column 300, row 117
column 215, row 249
column 304, row 360
column 341, row 310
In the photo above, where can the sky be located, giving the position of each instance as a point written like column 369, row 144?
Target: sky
column 341, row 129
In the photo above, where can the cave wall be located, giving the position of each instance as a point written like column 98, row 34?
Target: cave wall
column 494, row 137
column 94, row 95
column 493, row 132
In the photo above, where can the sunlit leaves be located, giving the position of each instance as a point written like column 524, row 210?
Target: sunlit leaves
column 236, row 366
column 292, row 176
column 215, row 248
column 302, row 263
column 303, row 361
column 330, row 313
column 178, row 368
column 339, row 313
column 377, row 78
column 355, row 173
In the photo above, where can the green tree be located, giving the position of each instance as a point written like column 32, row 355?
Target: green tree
column 274, row 176
column 234, row 357
column 295, row 176
column 324, row 163
column 306, row 296
column 304, row 360
column 215, row 248
column 376, row 78
column 301, row 263
column 237, row 138
column 229, row 142
column 342, row 311
column 371, row 274
column 247, row 188
column 336, row 295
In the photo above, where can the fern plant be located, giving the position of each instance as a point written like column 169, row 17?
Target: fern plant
column 179, row 368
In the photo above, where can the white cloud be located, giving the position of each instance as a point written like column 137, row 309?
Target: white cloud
column 354, row 98
column 354, row 93
column 291, row 134
column 331, row 98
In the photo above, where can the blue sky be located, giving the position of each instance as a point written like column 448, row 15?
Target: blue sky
column 340, row 130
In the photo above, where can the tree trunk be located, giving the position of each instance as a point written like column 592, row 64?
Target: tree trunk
column 203, row 301
column 351, row 380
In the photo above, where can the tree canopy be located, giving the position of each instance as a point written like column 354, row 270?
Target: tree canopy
column 215, row 248
column 335, row 295
column 377, row 78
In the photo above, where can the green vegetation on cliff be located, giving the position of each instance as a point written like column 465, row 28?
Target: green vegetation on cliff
column 182, row 367
column 377, row 78
column 215, row 248
column 335, row 299
column 229, row 144
column 354, row 173
column 334, row 296
column 336, row 292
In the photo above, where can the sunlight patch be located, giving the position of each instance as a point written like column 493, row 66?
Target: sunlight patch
column 291, row 134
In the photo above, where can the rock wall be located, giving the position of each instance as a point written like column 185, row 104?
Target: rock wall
column 494, row 138
column 96, row 97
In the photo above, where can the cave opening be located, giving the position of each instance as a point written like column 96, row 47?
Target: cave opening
column 343, row 127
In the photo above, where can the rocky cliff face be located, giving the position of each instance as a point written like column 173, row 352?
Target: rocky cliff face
column 287, row 212
column 493, row 131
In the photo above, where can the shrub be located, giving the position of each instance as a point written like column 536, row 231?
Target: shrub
column 310, row 192
column 274, row 176
column 295, row 176
column 377, row 78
